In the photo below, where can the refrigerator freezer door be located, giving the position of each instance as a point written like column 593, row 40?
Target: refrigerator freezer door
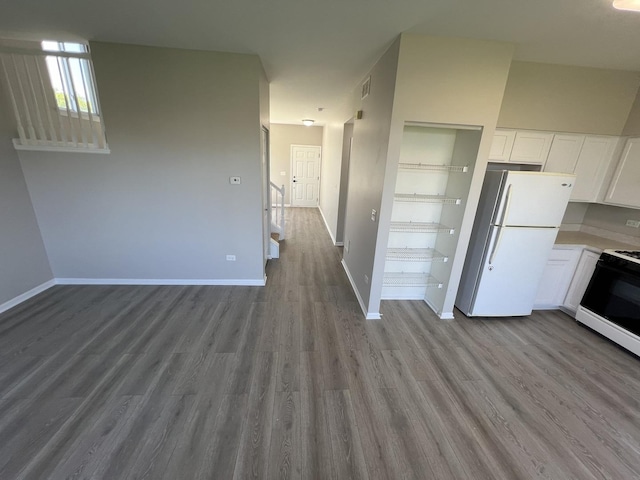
column 534, row 199
column 508, row 285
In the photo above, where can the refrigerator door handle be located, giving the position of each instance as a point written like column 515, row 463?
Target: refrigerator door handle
column 494, row 251
column 505, row 212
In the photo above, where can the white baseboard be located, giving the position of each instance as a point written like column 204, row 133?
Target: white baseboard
column 367, row 315
column 326, row 224
column 128, row 281
column 258, row 282
column 27, row 295
column 339, row 244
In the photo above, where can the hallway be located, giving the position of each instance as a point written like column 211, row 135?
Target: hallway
column 290, row 381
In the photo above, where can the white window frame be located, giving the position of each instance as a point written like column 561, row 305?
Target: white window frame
column 26, row 71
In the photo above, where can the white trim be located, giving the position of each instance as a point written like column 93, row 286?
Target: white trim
column 442, row 315
column 162, row 281
column 367, row 315
column 48, row 147
column 339, row 244
column 9, row 304
column 326, row 224
column 610, row 330
column 26, row 295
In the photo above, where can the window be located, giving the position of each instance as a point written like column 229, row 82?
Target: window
column 52, row 91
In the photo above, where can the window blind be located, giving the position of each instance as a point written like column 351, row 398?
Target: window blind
column 52, row 91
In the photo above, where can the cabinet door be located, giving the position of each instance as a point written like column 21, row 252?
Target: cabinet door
column 580, row 281
column 501, row 145
column 556, row 278
column 593, row 162
column 531, row 147
column 624, row 189
column 563, row 154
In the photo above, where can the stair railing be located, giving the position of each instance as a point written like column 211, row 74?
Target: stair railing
column 277, row 209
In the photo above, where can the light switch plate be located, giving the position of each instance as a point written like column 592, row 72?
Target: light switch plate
column 373, row 215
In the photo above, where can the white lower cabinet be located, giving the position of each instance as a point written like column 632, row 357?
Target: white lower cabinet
column 556, row 278
column 578, row 286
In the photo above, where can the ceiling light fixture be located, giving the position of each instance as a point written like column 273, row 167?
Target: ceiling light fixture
column 632, row 5
column 307, row 122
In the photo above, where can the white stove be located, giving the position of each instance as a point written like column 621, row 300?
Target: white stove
column 611, row 304
column 631, row 255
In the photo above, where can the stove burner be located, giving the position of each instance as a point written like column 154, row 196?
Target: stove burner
column 629, row 253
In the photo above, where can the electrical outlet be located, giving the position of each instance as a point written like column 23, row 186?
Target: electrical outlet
column 633, row 223
column 366, row 279
column 234, row 180
column 231, row 258
column 347, row 246
column 373, row 215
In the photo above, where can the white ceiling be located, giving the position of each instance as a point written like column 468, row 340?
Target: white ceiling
column 316, row 51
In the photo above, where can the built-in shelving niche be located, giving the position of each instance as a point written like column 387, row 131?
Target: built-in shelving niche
column 433, row 179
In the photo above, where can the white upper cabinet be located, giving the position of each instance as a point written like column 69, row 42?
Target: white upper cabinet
column 591, row 168
column 531, row 147
column 502, row 145
column 520, row 146
column 624, row 189
column 564, row 153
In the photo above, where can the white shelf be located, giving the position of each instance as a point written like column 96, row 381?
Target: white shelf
column 420, row 227
column 421, row 198
column 434, row 168
column 415, row 255
column 405, row 279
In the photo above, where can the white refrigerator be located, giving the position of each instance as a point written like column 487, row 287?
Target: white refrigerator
column 516, row 224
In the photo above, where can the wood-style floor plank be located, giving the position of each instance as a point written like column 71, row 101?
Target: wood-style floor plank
column 290, row 381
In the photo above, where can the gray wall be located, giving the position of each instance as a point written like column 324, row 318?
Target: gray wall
column 565, row 98
column 23, row 260
column 453, row 81
column 179, row 124
column 344, row 179
column 632, row 127
column 612, row 219
column 367, row 171
column 282, row 137
column 330, row 176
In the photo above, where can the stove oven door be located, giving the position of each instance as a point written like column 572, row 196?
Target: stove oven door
column 614, row 292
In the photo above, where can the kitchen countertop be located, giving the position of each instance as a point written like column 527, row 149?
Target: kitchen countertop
column 592, row 242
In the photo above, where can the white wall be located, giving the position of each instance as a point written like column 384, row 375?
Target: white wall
column 282, row 137
column 330, row 180
column 179, row 124
column 565, row 98
column 23, row 260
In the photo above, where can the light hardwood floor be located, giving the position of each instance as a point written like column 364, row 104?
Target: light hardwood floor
column 289, row 381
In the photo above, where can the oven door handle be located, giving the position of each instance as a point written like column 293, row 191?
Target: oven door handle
column 622, row 271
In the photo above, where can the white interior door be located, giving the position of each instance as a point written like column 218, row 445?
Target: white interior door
column 305, row 175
